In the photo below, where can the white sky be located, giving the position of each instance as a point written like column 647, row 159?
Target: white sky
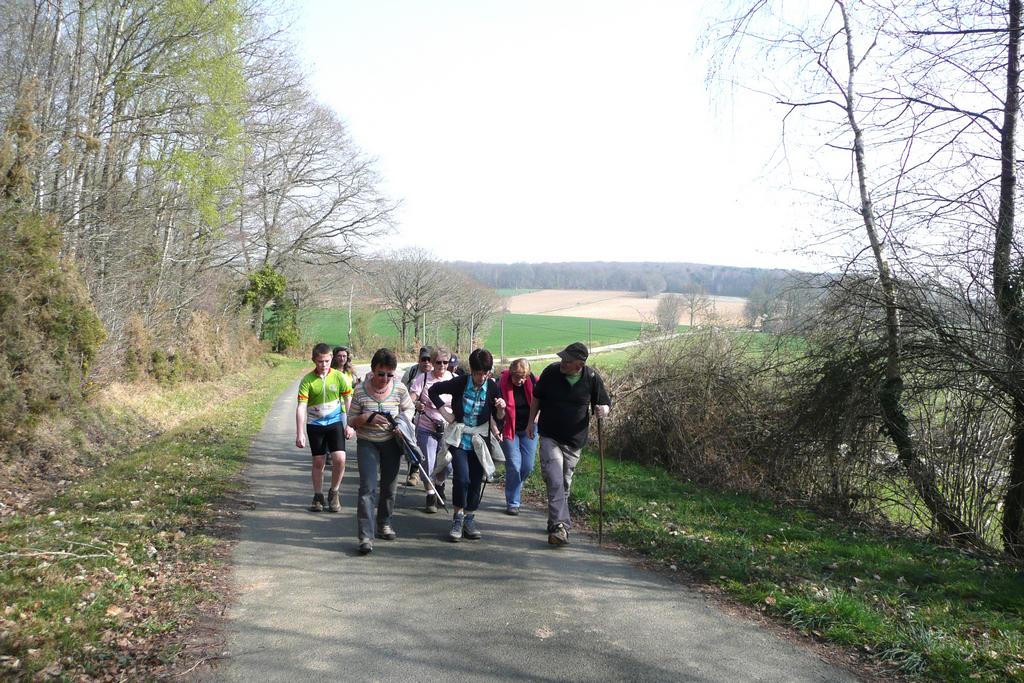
column 574, row 130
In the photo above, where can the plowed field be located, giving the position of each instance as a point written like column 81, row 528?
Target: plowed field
column 616, row 305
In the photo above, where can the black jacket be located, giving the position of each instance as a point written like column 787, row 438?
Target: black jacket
column 565, row 408
column 457, row 388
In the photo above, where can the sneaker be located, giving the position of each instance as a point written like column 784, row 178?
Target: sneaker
column 456, row 532
column 469, row 529
column 333, row 501
column 386, row 532
column 318, row 503
column 559, row 536
column 512, row 510
column 431, row 506
column 365, row 546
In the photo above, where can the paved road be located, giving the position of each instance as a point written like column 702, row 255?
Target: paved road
column 507, row 608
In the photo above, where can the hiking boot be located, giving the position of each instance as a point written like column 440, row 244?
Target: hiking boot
column 469, row 529
column 365, row 546
column 318, row 503
column 413, row 479
column 512, row 510
column 456, row 532
column 333, row 501
column 431, row 506
column 386, row 532
column 559, row 535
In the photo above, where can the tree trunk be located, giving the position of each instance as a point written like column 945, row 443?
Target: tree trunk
column 894, row 417
column 1007, row 281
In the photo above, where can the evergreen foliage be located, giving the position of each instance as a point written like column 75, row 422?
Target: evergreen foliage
column 49, row 332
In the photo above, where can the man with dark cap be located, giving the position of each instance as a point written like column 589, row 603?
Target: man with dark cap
column 423, row 366
column 564, row 396
column 453, row 366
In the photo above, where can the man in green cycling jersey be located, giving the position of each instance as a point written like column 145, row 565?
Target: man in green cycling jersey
column 324, row 396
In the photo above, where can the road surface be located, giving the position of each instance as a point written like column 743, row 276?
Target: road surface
column 505, row 608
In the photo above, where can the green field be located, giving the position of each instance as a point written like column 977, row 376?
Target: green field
column 527, row 335
column 524, row 334
column 330, row 325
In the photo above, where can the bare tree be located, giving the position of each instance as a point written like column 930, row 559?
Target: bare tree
column 669, row 310
column 827, row 45
column 411, row 284
column 696, row 302
column 470, row 308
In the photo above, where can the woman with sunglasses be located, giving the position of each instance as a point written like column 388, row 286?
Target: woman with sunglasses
column 377, row 452
column 516, row 385
column 475, row 402
column 431, row 423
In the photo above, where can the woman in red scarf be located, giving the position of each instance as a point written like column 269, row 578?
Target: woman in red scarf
column 516, row 387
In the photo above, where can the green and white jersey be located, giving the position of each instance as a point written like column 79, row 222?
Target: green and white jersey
column 324, row 396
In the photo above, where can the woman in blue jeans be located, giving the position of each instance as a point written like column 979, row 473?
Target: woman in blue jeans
column 516, row 387
column 476, row 405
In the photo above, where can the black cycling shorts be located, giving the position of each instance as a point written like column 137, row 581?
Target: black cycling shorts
column 324, row 439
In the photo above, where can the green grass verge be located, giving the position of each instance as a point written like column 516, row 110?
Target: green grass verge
column 99, row 579
column 923, row 610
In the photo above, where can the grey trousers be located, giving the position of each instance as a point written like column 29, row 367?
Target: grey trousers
column 377, row 462
column 557, row 464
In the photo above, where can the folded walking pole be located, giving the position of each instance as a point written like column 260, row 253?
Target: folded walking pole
column 413, row 453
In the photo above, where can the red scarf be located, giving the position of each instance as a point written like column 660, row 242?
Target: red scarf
column 505, row 386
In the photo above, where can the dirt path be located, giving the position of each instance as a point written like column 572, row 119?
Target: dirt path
column 506, row 608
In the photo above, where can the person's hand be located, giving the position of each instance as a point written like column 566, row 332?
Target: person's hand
column 379, row 419
column 300, row 441
column 349, row 432
column 499, row 403
column 531, row 431
column 602, row 411
column 418, row 405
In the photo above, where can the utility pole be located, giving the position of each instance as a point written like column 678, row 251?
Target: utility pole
column 351, row 292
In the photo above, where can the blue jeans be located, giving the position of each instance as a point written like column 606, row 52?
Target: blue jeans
column 520, row 459
column 467, row 478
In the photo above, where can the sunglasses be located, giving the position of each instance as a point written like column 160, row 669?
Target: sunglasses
column 440, row 362
column 385, row 374
column 424, row 358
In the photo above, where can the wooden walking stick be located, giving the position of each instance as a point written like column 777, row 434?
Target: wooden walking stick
column 600, row 490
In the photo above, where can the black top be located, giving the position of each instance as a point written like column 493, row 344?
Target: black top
column 565, row 408
column 457, row 388
column 522, row 406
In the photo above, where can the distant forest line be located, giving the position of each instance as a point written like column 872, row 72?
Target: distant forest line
column 637, row 277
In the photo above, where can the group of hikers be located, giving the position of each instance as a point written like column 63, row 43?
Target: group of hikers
column 446, row 422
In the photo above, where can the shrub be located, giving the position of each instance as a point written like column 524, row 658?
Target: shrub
column 138, row 348
column 49, row 332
